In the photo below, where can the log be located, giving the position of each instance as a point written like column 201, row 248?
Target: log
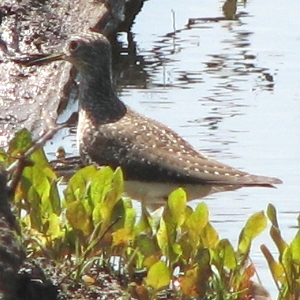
column 30, row 97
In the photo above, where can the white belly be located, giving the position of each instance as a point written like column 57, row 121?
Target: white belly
column 155, row 194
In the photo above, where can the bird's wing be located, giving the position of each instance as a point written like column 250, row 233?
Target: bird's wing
column 148, row 144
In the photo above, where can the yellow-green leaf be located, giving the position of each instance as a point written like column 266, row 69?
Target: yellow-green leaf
column 209, row 236
column 145, row 223
column 35, row 212
column 54, row 230
column 78, row 183
column 147, row 245
column 118, row 183
column 195, row 223
column 177, row 206
column 287, row 262
column 226, row 254
column 130, row 214
column 54, row 197
column 101, row 184
column 278, row 240
column 20, row 142
column 162, row 237
column 254, row 226
column 272, row 215
column 295, row 248
column 121, row 237
column 158, row 276
column 78, row 217
column 276, row 268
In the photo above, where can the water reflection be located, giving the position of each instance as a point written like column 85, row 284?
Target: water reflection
column 229, row 9
column 157, row 68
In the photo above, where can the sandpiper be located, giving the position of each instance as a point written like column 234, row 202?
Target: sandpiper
column 155, row 160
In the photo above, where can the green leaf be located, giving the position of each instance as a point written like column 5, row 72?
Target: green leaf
column 187, row 249
column 130, row 214
column 209, row 236
column 106, row 214
column 199, row 218
column 116, row 215
column 275, row 267
column 226, row 254
column 21, row 142
column 106, row 195
column 170, row 226
column 158, row 276
column 177, row 251
column 287, row 262
column 195, row 223
column 78, row 217
column 272, row 215
column 275, row 231
column 295, row 248
column 147, row 245
column 40, row 172
column 3, row 157
column 101, row 185
column 162, row 237
column 54, row 230
column 254, row 226
column 203, row 259
column 117, row 184
column 54, row 198
column 121, row 237
column 97, row 215
column 145, row 223
column 177, row 206
column 35, row 211
column 36, row 178
column 42, row 179
column 41, row 163
column 278, row 240
column 78, row 184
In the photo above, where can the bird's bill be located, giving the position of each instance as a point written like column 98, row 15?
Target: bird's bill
column 43, row 60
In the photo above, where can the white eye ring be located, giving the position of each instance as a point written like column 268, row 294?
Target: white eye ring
column 73, row 46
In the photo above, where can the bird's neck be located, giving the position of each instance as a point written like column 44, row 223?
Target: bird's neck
column 98, row 98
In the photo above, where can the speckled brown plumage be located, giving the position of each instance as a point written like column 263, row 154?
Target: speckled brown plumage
column 110, row 133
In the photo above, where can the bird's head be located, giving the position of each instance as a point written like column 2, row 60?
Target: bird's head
column 88, row 52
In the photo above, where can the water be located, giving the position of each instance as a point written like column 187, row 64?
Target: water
column 232, row 89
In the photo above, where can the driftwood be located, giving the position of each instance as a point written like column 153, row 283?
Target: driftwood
column 30, row 97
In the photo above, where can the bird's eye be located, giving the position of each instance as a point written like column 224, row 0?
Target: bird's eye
column 73, row 46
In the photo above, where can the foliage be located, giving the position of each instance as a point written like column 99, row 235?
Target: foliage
column 285, row 271
column 179, row 255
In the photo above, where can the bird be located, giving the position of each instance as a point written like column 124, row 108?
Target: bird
column 155, row 160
